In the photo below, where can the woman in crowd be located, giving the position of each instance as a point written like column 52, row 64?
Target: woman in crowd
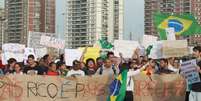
column 52, row 69
column 18, row 69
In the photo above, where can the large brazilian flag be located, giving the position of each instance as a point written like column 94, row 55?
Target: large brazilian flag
column 183, row 24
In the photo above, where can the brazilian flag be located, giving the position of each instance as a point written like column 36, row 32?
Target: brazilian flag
column 184, row 24
column 118, row 87
column 105, row 44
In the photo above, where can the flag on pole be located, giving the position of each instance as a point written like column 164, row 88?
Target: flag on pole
column 105, row 44
column 184, row 24
column 118, row 87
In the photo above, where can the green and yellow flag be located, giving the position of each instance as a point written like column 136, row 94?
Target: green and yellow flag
column 184, row 24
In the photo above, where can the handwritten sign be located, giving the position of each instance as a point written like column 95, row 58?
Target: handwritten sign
column 13, row 50
column 45, row 88
column 91, row 52
column 160, row 88
column 52, row 42
column 156, row 51
column 189, row 70
column 148, row 40
column 125, row 47
column 177, row 48
column 71, row 55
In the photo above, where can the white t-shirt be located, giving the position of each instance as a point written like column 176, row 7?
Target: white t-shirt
column 75, row 73
column 130, row 82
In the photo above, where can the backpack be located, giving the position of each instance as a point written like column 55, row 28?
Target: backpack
column 113, row 68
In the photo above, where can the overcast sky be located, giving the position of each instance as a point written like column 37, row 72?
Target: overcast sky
column 134, row 19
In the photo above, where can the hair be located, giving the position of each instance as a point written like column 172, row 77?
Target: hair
column 31, row 56
column 60, row 64
column 99, row 58
column 90, row 59
column 165, row 60
column 109, row 53
column 18, row 64
column 11, row 60
column 197, row 48
column 51, row 64
column 61, row 57
column 45, row 57
column 75, row 62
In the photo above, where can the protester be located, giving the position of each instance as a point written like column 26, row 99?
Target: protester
column 99, row 62
column 32, row 66
column 163, row 67
column 107, row 68
column 44, row 64
column 18, row 69
column 195, row 94
column 62, row 69
column 76, row 70
column 52, row 70
column 90, row 68
column 9, row 69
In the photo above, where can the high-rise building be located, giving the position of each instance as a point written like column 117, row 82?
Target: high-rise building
column 166, row 6
column 196, row 10
column 2, row 25
column 28, row 15
column 90, row 20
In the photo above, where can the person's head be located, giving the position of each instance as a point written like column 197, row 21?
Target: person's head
column 99, row 61
column 163, row 63
column 61, row 66
column 107, row 63
column 17, row 67
column 110, row 55
column 171, row 60
column 152, row 63
column 61, row 57
column 90, row 63
column 197, row 51
column 11, row 62
column 176, row 63
column 76, row 65
column 52, row 67
column 133, row 64
column 47, row 58
column 31, row 60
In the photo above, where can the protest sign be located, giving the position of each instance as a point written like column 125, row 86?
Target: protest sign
column 52, row 42
column 177, row 48
column 125, row 47
column 48, row 88
column 170, row 87
column 189, row 70
column 40, row 52
column 35, row 37
column 71, row 55
column 148, row 40
column 91, row 52
column 29, row 51
column 170, row 33
column 12, row 50
column 156, row 51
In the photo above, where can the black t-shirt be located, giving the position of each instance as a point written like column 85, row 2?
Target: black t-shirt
column 42, row 70
column 197, row 86
column 28, row 68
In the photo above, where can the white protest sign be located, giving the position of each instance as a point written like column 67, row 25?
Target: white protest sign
column 40, row 52
column 125, row 47
column 176, row 48
column 170, row 33
column 156, row 51
column 35, row 37
column 148, row 40
column 189, row 70
column 12, row 50
column 52, row 42
column 71, row 55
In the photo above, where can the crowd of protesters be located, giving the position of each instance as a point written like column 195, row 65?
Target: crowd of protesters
column 112, row 65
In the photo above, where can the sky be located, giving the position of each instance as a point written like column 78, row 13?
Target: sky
column 133, row 19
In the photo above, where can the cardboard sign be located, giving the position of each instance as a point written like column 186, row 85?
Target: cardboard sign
column 35, row 37
column 48, row 88
column 189, row 70
column 40, row 52
column 177, row 48
column 125, row 47
column 170, row 87
column 148, row 40
column 52, row 42
column 13, row 50
column 71, row 55
column 91, row 52
column 156, row 51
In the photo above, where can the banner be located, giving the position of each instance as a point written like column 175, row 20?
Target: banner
column 29, row 51
column 170, row 87
column 52, row 42
column 189, row 70
column 35, row 37
column 177, row 48
column 92, row 52
column 156, row 51
column 13, row 50
column 71, row 55
column 40, row 52
column 148, row 40
column 125, row 47
column 48, row 88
